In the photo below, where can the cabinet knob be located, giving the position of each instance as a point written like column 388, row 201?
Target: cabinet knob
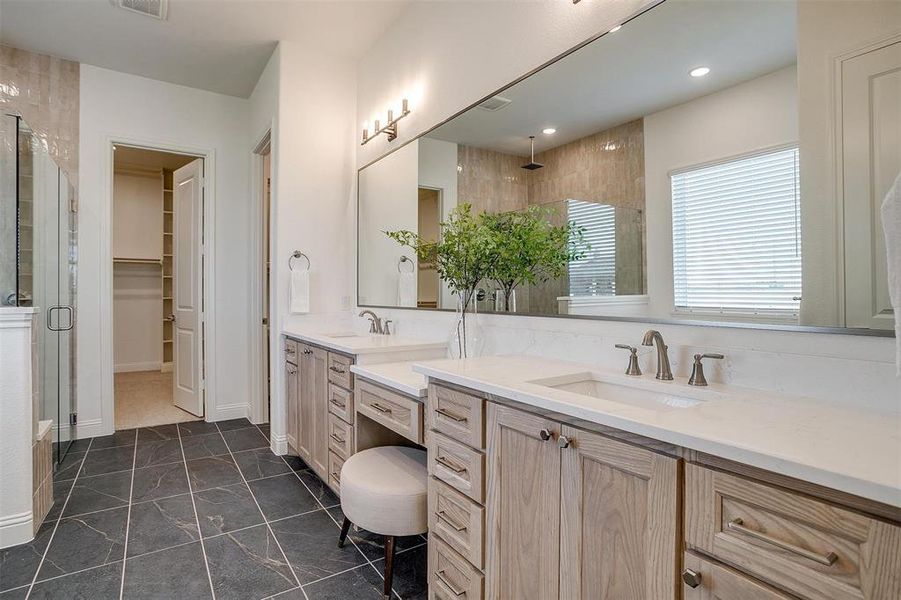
column 691, row 578
column 544, row 434
column 563, row 441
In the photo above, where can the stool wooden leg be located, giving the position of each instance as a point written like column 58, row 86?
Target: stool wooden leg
column 389, row 564
column 344, row 529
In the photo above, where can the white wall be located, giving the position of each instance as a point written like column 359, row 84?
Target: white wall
column 754, row 115
column 117, row 106
column 455, row 54
column 388, row 202
column 826, row 30
column 438, row 169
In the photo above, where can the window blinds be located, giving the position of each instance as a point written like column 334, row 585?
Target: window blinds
column 595, row 273
column 737, row 235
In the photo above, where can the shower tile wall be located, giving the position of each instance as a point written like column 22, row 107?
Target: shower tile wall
column 43, row 90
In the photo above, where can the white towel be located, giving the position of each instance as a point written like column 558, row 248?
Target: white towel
column 406, row 288
column 300, row 292
column 891, row 226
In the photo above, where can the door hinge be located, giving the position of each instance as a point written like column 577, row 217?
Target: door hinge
column 73, row 418
column 73, row 205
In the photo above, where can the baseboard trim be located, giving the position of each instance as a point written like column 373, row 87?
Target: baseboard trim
column 84, row 429
column 230, row 411
column 278, row 444
column 16, row 529
column 139, row 366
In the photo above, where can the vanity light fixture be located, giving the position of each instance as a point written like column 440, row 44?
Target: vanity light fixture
column 549, row 131
column 390, row 128
column 699, row 71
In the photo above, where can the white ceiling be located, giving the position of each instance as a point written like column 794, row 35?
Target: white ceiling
column 636, row 71
column 217, row 45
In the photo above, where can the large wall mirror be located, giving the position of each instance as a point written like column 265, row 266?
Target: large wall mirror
column 720, row 161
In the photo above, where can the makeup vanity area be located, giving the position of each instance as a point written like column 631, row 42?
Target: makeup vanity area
column 685, row 162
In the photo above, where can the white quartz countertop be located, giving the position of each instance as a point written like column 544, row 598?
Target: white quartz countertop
column 857, row 451
column 350, row 342
column 399, row 376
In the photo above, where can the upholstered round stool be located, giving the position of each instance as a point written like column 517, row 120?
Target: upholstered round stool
column 384, row 490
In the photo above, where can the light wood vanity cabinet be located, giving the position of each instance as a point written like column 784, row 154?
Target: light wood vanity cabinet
column 292, row 424
column 718, row 582
column 312, row 408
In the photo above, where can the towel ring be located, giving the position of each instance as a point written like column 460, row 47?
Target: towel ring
column 298, row 254
column 403, row 259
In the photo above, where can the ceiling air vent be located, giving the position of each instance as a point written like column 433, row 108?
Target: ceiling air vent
column 150, row 8
column 495, row 103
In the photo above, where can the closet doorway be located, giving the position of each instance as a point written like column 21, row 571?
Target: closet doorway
column 157, row 242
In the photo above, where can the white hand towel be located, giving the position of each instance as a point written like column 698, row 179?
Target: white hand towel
column 891, row 226
column 300, row 292
column 406, row 288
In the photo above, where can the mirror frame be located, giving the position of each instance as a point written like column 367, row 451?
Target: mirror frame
column 882, row 333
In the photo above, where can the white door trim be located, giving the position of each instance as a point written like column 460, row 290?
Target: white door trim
column 107, row 402
column 259, row 409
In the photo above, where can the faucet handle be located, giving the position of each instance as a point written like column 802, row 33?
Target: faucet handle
column 697, row 370
column 387, row 325
column 633, row 368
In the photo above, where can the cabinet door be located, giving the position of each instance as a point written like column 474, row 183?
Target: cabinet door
column 706, row 580
column 619, row 520
column 291, row 407
column 306, row 391
column 319, row 412
column 523, row 506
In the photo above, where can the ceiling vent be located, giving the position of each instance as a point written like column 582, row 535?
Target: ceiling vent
column 149, row 8
column 495, row 103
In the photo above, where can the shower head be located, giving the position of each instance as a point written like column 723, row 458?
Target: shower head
column 532, row 165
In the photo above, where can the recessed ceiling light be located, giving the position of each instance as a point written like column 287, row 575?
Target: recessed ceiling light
column 615, row 29
column 699, row 71
column 548, row 131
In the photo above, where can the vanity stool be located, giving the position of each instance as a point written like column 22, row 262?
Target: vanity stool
column 385, row 490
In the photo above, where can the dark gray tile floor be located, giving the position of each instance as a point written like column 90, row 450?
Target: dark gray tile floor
column 199, row 510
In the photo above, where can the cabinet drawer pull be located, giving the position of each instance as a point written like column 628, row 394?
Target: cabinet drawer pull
column 448, row 464
column 443, row 516
column 308, row 351
column 335, row 437
column 289, row 350
column 380, row 408
column 691, row 578
column 291, row 369
column 337, row 370
column 545, row 435
column 828, row 560
column 337, row 476
column 451, row 415
column 338, row 404
column 454, row 590
column 563, row 441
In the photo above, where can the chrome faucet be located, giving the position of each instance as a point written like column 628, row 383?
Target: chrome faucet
column 652, row 337
column 375, row 323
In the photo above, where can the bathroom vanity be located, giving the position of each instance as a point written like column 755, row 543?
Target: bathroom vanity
column 551, row 479
column 320, row 394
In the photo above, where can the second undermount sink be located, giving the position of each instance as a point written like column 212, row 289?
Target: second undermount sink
column 643, row 393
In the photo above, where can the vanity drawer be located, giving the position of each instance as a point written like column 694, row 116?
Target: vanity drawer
column 458, row 415
column 813, row 549
column 291, row 351
column 341, row 402
column 450, row 576
column 398, row 413
column 335, row 463
column 459, row 466
column 339, row 370
column 715, row 581
column 340, row 437
column 459, row 521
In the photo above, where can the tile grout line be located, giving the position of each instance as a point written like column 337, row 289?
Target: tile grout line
column 259, row 508
column 206, row 563
column 58, row 518
column 131, row 488
column 329, row 515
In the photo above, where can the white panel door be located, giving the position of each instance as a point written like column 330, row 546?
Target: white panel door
column 871, row 160
column 187, row 287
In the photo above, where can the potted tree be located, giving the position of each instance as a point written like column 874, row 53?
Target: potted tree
column 530, row 249
column 463, row 256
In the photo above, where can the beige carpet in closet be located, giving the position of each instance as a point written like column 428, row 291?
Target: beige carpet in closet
column 144, row 399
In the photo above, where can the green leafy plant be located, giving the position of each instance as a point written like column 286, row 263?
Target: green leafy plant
column 529, row 248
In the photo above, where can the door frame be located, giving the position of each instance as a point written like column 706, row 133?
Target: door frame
column 259, row 409
column 107, row 393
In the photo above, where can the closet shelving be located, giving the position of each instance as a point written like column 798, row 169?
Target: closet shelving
column 166, row 274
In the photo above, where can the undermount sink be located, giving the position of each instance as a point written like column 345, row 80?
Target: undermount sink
column 644, row 394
